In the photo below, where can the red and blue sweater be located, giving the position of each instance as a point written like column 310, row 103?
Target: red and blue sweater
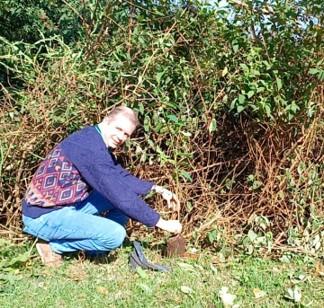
column 76, row 166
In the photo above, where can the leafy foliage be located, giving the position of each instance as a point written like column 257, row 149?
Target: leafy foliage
column 210, row 84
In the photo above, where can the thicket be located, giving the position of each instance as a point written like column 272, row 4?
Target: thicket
column 230, row 100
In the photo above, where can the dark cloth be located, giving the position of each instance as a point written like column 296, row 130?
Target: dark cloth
column 76, row 166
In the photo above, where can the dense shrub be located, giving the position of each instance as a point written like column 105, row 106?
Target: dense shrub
column 230, row 101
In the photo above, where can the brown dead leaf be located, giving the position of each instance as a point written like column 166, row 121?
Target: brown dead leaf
column 319, row 268
column 102, row 290
column 76, row 272
column 190, row 255
column 259, row 293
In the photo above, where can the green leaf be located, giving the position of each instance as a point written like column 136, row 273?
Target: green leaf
column 186, row 290
column 267, row 110
column 212, row 236
column 186, row 175
column 212, row 126
column 172, row 118
column 251, row 177
column 233, row 103
column 225, row 71
column 244, row 67
column 319, row 73
column 141, row 108
column 239, row 108
column 241, row 99
column 313, row 71
column 189, row 206
column 252, row 235
column 293, row 107
column 159, row 76
column 255, row 72
column 279, row 83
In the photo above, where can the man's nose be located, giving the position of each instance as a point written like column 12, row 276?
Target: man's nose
column 122, row 136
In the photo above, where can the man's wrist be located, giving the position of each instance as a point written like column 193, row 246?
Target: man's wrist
column 161, row 223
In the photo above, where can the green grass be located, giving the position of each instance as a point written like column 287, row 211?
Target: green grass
column 192, row 283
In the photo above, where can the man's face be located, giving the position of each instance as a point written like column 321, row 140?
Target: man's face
column 119, row 129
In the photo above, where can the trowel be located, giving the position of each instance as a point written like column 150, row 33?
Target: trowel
column 176, row 245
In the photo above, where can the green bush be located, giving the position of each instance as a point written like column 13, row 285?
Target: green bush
column 210, row 84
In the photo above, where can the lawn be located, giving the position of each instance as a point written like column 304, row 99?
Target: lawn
column 196, row 281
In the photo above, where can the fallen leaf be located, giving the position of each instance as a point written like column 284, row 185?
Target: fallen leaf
column 302, row 277
column 294, row 294
column 102, row 290
column 190, row 255
column 227, row 298
column 259, row 293
column 319, row 268
column 284, row 259
column 186, row 266
column 298, row 279
column 186, row 290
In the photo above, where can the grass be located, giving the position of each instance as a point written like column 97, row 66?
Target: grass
column 193, row 282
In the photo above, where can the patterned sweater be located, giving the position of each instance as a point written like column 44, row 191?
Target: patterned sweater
column 76, row 166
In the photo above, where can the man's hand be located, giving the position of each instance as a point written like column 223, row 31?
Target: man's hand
column 171, row 198
column 173, row 226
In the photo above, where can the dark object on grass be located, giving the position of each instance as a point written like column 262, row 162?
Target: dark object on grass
column 176, row 246
column 137, row 259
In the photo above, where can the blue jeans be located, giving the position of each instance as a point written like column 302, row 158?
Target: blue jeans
column 78, row 227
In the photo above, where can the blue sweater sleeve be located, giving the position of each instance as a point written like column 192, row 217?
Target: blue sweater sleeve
column 137, row 185
column 90, row 156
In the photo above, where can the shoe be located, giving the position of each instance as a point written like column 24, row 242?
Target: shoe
column 48, row 256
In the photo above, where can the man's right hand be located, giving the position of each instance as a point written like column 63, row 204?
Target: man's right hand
column 170, row 197
column 173, row 226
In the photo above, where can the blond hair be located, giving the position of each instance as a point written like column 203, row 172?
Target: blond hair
column 124, row 111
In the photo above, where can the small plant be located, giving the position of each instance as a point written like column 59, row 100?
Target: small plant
column 258, row 239
column 253, row 182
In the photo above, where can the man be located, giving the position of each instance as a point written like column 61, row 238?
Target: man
column 80, row 179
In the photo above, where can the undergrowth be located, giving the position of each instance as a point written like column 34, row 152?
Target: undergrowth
column 230, row 100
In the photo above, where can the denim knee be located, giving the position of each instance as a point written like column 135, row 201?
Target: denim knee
column 119, row 236
column 115, row 238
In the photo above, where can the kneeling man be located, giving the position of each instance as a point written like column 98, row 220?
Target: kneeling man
column 80, row 179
